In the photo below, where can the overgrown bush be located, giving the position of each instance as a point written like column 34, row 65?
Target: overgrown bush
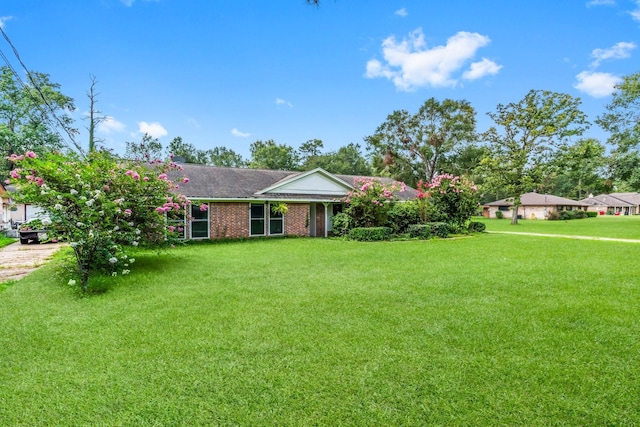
column 420, row 231
column 369, row 203
column 342, row 223
column 477, row 227
column 581, row 214
column 370, row 234
column 402, row 215
column 448, row 198
column 592, row 214
column 499, row 214
column 567, row 215
column 553, row 216
column 439, row 229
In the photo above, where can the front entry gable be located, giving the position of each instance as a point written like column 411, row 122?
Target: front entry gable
column 315, row 182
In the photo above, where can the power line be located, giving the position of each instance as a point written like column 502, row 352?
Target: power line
column 43, row 98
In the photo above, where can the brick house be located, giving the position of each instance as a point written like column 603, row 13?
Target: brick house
column 533, row 206
column 240, row 201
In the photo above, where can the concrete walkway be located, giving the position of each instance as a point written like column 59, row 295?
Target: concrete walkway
column 18, row 260
column 609, row 239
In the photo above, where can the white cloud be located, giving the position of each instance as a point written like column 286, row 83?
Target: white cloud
column 477, row 70
column 236, row 132
column 601, row 3
column 154, row 129
column 280, row 101
column 193, row 122
column 635, row 14
column 597, row 85
column 402, row 12
column 410, row 64
column 110, row 125
column 620, row 50
column 4, row 19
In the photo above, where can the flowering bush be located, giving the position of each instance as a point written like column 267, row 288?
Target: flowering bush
column 448, row 198
column 100, row 205
column 369, row 203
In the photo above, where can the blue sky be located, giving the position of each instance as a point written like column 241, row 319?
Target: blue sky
column 230, row 72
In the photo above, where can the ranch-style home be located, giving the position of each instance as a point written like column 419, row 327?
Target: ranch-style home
column 242, row 203
column 534, row 206
column 614, row 203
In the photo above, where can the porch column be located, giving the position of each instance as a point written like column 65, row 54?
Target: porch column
column 326, row 219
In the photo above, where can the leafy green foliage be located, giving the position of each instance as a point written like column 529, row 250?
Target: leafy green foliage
column 269, row 155
column 439, row 229
column 370, row 234
column 419, row 143
column 369, row 203
column 100, row 205
column 420, row 231
column 24, row 124
column 342, row 223
column 531, row 130
column 622, row 119
column 477, row 227
column 450, row 199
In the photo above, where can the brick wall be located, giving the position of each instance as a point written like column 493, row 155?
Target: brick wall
column 230, row 220
column 296, row 220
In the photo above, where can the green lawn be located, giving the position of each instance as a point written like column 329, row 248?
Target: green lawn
column 488, row 330
column 626, row 227
column 4, row 241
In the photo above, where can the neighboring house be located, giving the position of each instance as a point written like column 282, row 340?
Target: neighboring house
column 239, row 201
column 11, row 213
column 614, row 203
column 533, row 206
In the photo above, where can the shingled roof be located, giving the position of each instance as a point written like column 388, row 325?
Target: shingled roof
column 221, row 183
column 537, row 199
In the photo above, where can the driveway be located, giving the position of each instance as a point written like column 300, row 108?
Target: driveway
column 18, row 260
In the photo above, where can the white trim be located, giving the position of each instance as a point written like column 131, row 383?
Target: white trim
column 303, row 175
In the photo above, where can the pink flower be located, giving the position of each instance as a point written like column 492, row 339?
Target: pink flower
column 171, row 228
column 204, row 207
column 31, row 154
column 15, row 173
column 127, row 212
column 185, row 180
column 160, row 209
column 146, row 178
column 162, row 176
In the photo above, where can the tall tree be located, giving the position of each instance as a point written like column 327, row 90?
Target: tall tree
column 532, row 129
column 426, row 137
column 95, row 116
column 269, row 155
column 223, row 156
column 149, row 148
column 347, row 160
column 580, row 168
column 622, row 119
column 177, row 147
column 26, row 121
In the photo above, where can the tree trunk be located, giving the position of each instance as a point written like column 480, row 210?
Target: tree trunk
column 514, row 215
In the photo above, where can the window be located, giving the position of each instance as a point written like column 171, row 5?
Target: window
column 503, row 208
column 276, row 223
column 257, row 219
column 199, row 222
column 176, row 221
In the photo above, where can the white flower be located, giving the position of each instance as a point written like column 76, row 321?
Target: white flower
column 46, row 221
column 57, row 207
column 79, row 224
column 116, row 228
column 113, row 260
column 126, row 271
column 73, row 191
column 114, row 274
column 72, row 282
column 132, row 260
column 138, row 231
column 89, row 202
column 59, row 197
column 73, row 244
column 101, row 213
column 135, row 243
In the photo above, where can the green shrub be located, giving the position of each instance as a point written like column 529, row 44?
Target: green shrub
column 477, row 227
column 421, row 231
column 439, row 229
column 567, row 215
column 553, row 216
column 402, row 215
column 592, row 214
column 581, row 214
column 370, row 234
column 342, row 223
column 499, row 214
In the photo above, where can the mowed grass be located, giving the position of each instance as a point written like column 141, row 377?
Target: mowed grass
column 485, row 330
column 5, row 241
column 624, row 227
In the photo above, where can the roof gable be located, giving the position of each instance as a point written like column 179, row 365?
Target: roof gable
column 314, row 182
